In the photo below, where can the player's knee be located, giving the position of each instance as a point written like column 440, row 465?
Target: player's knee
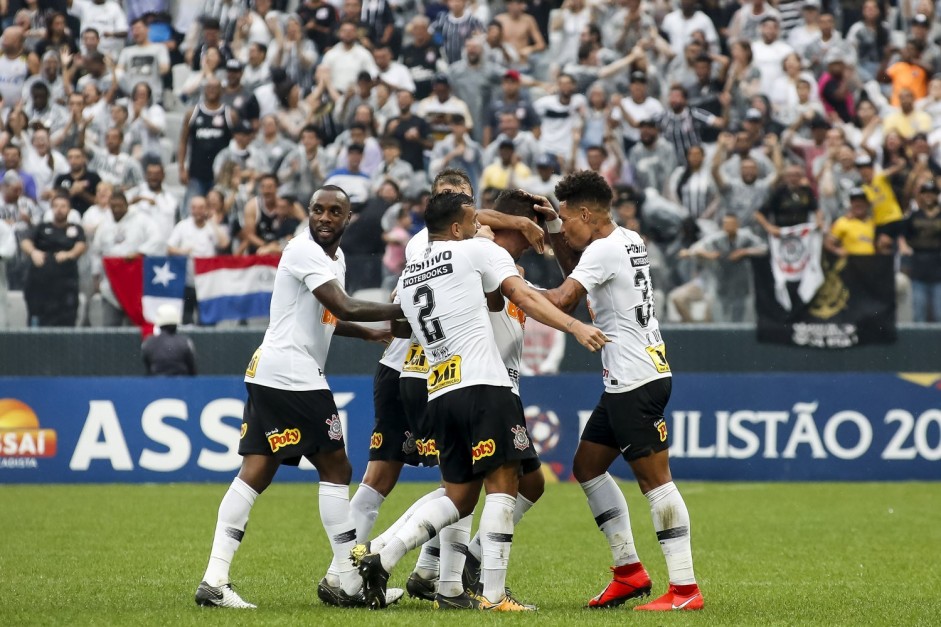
column 532, row 486
column 584, row 470
column 380, row 478
column 338, row 471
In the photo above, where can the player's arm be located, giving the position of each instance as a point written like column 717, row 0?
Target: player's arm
column 495, row 301
column 401, row 329
column 564, row 254
column 567, row 296
column 540, row 308
column 530, row 230
column 334, row 298
column 351, row 329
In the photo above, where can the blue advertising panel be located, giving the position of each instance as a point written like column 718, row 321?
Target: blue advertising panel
column 760, row 427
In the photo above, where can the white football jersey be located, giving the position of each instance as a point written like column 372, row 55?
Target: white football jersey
column 615, row 272
column 395, row 352
column 418, row 243
column 508, row 325
column 294, row 352
column 442, row 292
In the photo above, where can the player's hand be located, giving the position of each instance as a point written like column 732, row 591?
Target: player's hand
column 383, row 336
column 533, row 233
column 543, row 207
column 588, row 336
column 485, row 232
column 38, row 257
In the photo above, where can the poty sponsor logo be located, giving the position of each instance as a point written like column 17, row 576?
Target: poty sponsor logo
column 485, row 448
column 278, row 441
column 427, row 448
column 661, row 426
column 20, row 435
column 375, row 441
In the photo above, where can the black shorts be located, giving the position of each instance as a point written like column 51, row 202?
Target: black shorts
column 289, row 424
column 632, row 422
column 478, row 429
column 414, row 393
column 392, row 439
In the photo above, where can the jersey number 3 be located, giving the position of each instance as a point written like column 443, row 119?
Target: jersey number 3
column 430, row 327
column 644, row 311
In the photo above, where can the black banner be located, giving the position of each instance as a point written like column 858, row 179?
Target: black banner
column 855, row 305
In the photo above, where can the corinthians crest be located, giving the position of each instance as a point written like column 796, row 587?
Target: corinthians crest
column 520, row 438
column 335, row 431
column 832, row 296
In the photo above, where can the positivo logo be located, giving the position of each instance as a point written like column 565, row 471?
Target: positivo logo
column 21, row 439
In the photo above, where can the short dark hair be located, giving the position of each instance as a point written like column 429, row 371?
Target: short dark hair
column 444, row 210
column 584, row 186
column 268, row 175
column 515, row 202
column 451, row 176
column 355, row 148
column 310, row 128
column 390, row 142
column 61, row 192
column 329, row 188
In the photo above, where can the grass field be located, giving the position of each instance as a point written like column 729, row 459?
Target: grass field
column 765, row 554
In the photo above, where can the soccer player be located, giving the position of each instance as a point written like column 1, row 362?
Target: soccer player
column 290, row 411
column 508, row 327
column 401, row 434
column 479, row 428
column 609, row 264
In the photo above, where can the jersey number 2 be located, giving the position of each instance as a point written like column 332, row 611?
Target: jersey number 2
column 430, row 327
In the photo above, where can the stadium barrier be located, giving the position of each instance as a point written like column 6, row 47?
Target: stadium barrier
column 741, row 427
column 690, row 348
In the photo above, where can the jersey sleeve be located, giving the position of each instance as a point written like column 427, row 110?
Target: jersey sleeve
column 598, row 265
column 494, row 264
column 308, row 264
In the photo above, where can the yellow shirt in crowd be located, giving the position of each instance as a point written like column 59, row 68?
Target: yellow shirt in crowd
column 885, row 208
column 498, row 177
column 857, row 237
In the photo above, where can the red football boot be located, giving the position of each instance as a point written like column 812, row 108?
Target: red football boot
column 630, row 581
column 677, row 598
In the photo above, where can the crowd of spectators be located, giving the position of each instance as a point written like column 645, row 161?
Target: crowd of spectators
column 148, row 127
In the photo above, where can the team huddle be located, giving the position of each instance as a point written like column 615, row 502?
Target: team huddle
column 446, row 394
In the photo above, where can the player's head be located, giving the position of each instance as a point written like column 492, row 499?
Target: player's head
column 329, row 215
column 514, row 202
column 452, row 180
column 451, row 216
column 584, row 206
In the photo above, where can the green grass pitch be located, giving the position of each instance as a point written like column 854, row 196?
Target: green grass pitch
column 765, row 554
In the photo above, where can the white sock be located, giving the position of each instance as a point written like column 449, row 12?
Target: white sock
column 382, row 539
column 496, row 538
column 230, row 527
column 365, row 506
column 671, row 522
column 453, row 541
column 523, row 505
column 423, row 525
column 341, row 532
column 429, row 559
column 609, row 508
